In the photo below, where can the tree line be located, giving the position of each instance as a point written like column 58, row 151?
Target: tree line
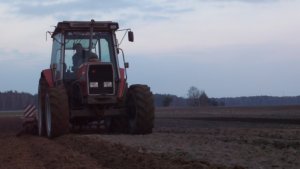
column 260, row 100
column 13, row 100
column 195, row 98
column 198, row 98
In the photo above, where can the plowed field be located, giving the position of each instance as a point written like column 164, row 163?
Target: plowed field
column 265, row 137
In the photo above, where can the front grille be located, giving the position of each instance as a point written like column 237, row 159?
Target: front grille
column 101, row 79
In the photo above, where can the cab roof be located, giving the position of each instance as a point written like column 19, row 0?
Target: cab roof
column 85, row 26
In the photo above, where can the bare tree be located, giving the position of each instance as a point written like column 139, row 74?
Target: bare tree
column 167, row 100
column 193, row 96
column 198, row 97
column 203, row 99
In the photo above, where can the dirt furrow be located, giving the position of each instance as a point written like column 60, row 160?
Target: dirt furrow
column 118, row 156
column 175, row 143
column 34, row 152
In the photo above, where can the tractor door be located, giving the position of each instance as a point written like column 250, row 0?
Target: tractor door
column 56, row 58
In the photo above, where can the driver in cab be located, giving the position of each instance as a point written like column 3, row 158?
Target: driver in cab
column 81, row 56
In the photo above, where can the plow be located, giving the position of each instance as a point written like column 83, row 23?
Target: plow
column 30, row 124
column 29, row 121
column 86, row 85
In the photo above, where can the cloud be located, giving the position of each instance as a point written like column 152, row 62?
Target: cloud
column 237, row 42
column 66, row 8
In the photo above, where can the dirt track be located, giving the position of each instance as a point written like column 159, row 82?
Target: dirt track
column 182, row 138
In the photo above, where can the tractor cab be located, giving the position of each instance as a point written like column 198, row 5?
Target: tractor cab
column 76, row 43
column 84, row 58
column 75, row 49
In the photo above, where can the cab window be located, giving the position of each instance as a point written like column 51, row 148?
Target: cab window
column 101, row 48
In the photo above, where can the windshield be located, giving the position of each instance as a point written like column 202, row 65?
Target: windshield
column 77, row 49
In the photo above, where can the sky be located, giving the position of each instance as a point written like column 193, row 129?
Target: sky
column 227, row 48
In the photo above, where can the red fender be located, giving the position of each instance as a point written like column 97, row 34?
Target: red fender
column 47, row 74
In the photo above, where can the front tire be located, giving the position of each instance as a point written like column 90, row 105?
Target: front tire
column 140, row 109
column 57, row 112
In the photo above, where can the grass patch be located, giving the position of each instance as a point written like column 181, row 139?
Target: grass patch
column 11, row 113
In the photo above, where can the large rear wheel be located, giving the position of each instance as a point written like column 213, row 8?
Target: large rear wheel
column 41, row 107
column 57, row 112
column 140, row 109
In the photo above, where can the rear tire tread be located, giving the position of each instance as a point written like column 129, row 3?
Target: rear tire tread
column 141, row 98
column 59, row 111
column 41, row 107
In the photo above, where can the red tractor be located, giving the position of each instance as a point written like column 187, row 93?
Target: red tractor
column 85, row 83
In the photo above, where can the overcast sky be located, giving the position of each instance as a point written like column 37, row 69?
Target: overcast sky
column 224, row 47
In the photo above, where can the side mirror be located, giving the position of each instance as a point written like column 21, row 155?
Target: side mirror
column 126, row 64
column 130, row 36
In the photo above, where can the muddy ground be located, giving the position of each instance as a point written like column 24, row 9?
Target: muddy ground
column 265, row 137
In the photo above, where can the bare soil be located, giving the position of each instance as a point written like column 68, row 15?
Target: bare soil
column 254, row 138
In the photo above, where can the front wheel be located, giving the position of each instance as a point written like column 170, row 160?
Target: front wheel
column 57, row 112
column 140, row 109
